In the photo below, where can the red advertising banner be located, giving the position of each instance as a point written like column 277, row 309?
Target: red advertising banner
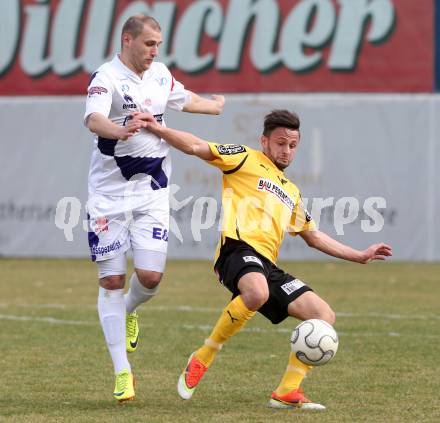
column 51, row 47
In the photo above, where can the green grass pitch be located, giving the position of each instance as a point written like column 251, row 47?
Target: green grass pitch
column 55, row 366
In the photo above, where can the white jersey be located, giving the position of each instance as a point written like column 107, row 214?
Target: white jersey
column 140, row 164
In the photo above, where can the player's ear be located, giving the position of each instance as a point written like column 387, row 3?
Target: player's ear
column 125, row 38
column 264, row 141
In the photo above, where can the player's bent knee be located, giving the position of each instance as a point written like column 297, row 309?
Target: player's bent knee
column 112, row 282
column 328, row 315
column 259, row 299
column 148, row 278
column 254, row 298
column 324, row 312
column 311, row 306
column 254, row 290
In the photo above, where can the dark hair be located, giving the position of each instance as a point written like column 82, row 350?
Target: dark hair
column 135, row 25
column 280, row 119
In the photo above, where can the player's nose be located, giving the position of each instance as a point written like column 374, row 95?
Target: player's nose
column 285, row 150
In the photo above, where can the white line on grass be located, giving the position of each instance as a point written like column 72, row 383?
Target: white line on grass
column 51, row 320
column 207, row 328
column 203, row 328
column 190, row 309
column 390, row 316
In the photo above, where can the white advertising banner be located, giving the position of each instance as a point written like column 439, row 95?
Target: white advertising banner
column 367, row 166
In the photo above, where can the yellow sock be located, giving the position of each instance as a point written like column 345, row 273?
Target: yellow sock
column 293, row 376
column 232, row 319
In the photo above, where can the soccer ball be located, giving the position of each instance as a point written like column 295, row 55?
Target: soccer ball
column 314, row 342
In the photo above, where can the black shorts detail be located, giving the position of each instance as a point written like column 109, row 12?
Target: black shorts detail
column 238, row 258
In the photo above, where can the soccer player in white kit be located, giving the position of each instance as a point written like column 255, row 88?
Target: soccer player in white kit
column 128, row 206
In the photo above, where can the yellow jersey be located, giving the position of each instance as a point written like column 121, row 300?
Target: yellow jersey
column 259, row 204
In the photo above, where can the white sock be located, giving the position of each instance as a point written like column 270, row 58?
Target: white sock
column 111, row 310
column 137, row 294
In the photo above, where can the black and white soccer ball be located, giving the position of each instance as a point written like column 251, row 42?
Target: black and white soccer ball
column 314, row 342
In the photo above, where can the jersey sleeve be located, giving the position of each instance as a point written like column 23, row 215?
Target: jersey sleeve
column 301, row 220
column 228, row 156
column 179, row 96
column 99, row 95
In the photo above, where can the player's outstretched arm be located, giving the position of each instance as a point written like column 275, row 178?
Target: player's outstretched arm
column 183, row 141
column 105, row 128
column 210, row 106
column 323, row 242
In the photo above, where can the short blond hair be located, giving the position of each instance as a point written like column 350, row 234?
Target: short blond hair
column 134, row 25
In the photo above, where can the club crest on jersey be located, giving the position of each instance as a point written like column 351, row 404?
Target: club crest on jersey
column 97, row 90
column 271, row 187
column 161, row 81
column 125, row 88
column 229, row 149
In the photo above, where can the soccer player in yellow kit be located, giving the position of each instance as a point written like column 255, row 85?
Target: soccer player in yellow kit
column 259, row 205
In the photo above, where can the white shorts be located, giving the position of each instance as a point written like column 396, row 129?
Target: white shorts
column 119, row 223
column 143, row 259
